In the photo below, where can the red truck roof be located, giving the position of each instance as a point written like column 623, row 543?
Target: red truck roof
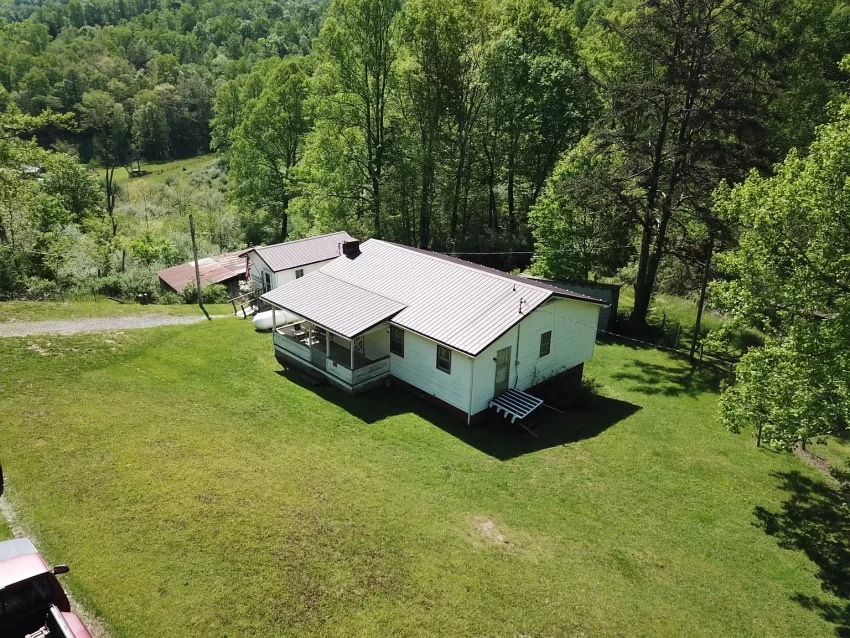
column 19, row 560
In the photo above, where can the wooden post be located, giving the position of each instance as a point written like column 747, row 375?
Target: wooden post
column 663, row 325
column 351, row 351
column 197, row 269
column 678, row 334
column 700, row 355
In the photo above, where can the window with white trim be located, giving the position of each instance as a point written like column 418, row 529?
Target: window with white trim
column 299, row 273
column 444, row 359
column 545, row 343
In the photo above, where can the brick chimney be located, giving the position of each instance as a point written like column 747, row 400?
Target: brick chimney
column 351, row 248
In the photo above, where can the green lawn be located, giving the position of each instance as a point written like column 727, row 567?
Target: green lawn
column 196, row 490
column 159, row 173
column 103, row 307
column 5, row 532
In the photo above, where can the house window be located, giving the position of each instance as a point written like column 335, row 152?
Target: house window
column 299, row 273
column 397, row 341
column 444, row 359
column 545, row 343
column 267, row 282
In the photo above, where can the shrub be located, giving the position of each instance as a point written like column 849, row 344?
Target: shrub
column 38, row 289
column 214, row 293
column 168, row 298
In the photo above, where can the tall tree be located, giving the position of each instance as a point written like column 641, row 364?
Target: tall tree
column 790, row 277
column 358, row 48
column 112, row 145
column 268, row 143
column 689, row 93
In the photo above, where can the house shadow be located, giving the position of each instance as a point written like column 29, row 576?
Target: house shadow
column 493, row 435
column 815, row 519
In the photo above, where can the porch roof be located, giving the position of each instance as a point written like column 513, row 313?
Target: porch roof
column 340, row 306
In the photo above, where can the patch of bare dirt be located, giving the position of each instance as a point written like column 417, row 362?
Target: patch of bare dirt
column 37, row 348
column 815, row 461
column 488, row 531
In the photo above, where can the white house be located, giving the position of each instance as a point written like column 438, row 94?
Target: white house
column 275, row 265
column 455, row 331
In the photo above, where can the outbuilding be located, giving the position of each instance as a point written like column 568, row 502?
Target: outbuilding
column 275, row 265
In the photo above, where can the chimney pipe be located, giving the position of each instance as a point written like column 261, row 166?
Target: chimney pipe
column 351, row 248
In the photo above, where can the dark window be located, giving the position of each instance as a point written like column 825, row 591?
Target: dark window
column 299, row 273
column 397, row 341
column 444, row 359
column 545, row 343
column 267, row 279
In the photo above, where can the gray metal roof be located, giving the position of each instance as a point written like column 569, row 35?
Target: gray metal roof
column 459, row 304
column 300, row 252
column 337, row 305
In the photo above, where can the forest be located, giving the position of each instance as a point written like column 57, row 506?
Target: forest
column 696, row 147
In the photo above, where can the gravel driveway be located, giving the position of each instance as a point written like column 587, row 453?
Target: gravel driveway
column 72, row 326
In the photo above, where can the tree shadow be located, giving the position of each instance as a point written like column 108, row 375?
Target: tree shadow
column 494, row 435
column 816, row 520
column 671, row 380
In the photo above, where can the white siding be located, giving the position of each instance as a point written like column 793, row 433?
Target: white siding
column 258, row 267
column 418, row 367
column 573, row 325
column 285, row 276
column 377, row 343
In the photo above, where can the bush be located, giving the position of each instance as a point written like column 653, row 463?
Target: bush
column 168, row 298
column 128, row 285
column 214, row 293
column 38, row 289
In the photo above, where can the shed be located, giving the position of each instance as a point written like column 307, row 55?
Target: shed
column 227, row 269
column 609, row 293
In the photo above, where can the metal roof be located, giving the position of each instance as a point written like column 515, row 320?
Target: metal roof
column 339, row 306
column 300, row 252
column 462, row 305
column 214, row 270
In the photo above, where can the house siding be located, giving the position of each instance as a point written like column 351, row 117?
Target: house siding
column 377, row 343
column 285, row 276
column 573, row 325
column 418, row 368
column 258, row 267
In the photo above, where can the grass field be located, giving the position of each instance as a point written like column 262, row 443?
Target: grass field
column 159, row 173
column 103, row 307
column 197, row 490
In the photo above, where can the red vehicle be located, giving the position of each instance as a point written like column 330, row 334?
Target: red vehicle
column 32, row 602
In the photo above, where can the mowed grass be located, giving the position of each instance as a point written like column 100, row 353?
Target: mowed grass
column 102, row 307
column 174, row 171
column 195, row 490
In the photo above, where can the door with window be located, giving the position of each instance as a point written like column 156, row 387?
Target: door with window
column 503, row 370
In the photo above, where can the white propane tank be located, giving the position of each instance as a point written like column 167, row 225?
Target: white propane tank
column 263, row 320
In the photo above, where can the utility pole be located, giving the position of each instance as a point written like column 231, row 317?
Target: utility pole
column 197, row 270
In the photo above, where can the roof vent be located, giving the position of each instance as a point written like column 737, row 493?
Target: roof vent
column 351, row 248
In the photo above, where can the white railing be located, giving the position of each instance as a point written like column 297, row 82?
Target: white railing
column 291, row 346
column 373, row 370
column 376, row 369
